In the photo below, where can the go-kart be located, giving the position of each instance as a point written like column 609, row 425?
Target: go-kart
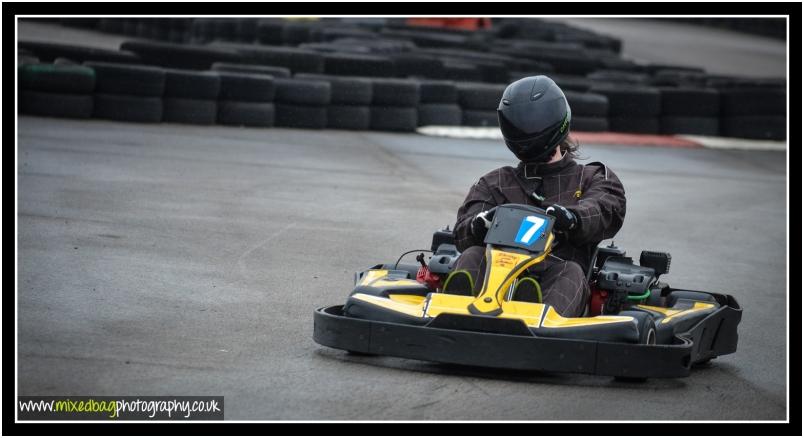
column 634, row 326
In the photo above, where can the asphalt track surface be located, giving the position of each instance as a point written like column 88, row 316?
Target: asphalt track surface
column 176, row 260
column 718, row 51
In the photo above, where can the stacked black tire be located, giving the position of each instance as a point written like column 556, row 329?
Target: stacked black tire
column 246, row 99
column 181, row 56
column 302, row 103
column 128, row 93
column 394, row 104
column 191, row 97
column 277, row 72
column 438, row 103
column 175, row 30
column 294, row 59
column 479, row 102
column 690, row 111
column 385, row 75
column 589, row 111
column 56, row 90
column 634, row 109
column 48, row 52
column 350, row 101
column 756, row 112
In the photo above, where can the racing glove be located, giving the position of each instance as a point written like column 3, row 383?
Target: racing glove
column 482, row 222
column 566, row 220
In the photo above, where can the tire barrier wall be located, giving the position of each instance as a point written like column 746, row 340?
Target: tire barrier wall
column 380, row 75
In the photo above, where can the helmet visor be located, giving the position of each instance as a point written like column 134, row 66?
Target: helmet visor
column 536, row 146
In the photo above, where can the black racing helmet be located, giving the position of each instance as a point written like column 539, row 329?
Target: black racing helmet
column 534, row 117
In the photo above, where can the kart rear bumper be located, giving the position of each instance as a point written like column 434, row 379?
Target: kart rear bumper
column 488, row 342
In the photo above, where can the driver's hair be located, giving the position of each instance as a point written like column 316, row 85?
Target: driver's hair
column 570, row 146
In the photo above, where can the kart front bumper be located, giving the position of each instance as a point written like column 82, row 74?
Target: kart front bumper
column 489, row 342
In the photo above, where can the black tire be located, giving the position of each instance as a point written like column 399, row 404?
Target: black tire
column 350, row 117
column 436, row 91
column 635, row 124
column 296, row 33
column 73, row 106
column 358, row 65
column 645, row 324
column 191, row 84
column 111, row 25
column 257, row 114
column 690, row 102
column 589, row 124
column 493, row 72
column 648, row 335
column 529, row 67
column 302, row 91
column 345, row 90
column 89, row 23
column 395, row 92
column 180, row 55
column 190, row 111
column 440, row 114
column 754, row 127
column 425, row 38
column 26, row 60
column 569, row 63
column 300, row 116
column 276, row 72
column 128, row 108
column 690, row 125
column 479, row 118
column 47, row 52
column 246, row 29
column 476, row 96
column 296, row 60
column 618, row 77
column 394, row 118
column 246, row 87
column 679, row 78
column 734, row 83
column 674, row 296
column 587, row 104
column 65, row 61
column 68, row 79
column 129, row 27
column 753, row 102
column 330, row 33
column 269, row 31
column 579, row 84
column 631, row 101
column 461, row 72
column 125, row 79
column 415, row 64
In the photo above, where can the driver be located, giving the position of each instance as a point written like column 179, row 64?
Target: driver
column 587, row 201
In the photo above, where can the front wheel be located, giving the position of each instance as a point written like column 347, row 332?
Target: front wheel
column 645, row 326
column 647, row 336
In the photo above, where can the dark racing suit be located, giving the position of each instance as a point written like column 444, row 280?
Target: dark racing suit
column 592, row 191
